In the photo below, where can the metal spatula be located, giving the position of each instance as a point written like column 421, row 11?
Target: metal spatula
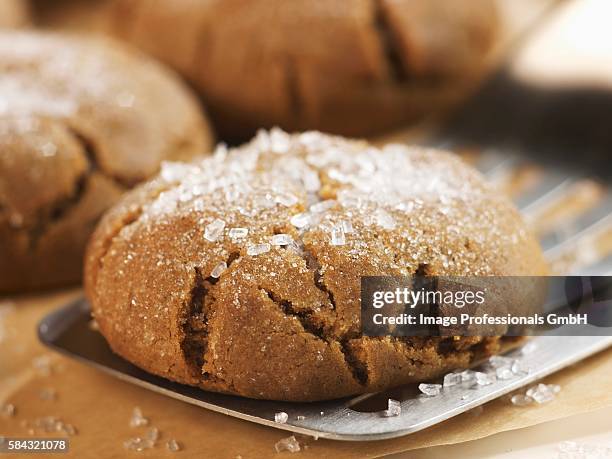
column 68, row 332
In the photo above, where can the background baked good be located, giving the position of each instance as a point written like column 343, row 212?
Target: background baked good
column 356, row 67
column 180, row 290
column 14, row 13
column 81, row 121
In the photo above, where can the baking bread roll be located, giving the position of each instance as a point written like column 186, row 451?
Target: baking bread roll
column 81, row 121
column 241, row 273
column 352, row 67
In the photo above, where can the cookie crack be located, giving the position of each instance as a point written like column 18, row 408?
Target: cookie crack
column 91, row 154
column 389, row 44
column 294, row 95
column 195, row 325
column 194, row 344
column 304, row 317
column 313, row 264
column 60, row 208
column 53, row 213
column 356, row 367
column 320, row 284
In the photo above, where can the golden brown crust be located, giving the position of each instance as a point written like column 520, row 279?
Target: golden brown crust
column 81, row 121
column 352, row 67
column 284, row 323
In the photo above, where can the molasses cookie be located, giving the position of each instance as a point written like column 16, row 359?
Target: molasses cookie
column 241, row 273
column 81, row 121
column 356, row 67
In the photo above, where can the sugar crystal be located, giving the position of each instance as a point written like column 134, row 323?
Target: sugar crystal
column 281, row 239
column 214, row 230
column 521, row 400
column 555, row 388
column 287, row 444
column 238, row 233
column 497, row 361
column 504, row 373
column 384, row 219
column 431, row 390
column 218, row 270
column 347, row 226
column 137, row 444
column 137, row 419
column 287, row 200
column 173, row 446
column 258, row 249
column 172, row 171
column 311, row 181
column 53, row 424
column 452, row 379
column 518, row 368
column 220, row 150
column 69, row 429
column 529, row 347
column 281, row 417
column 337, row 236
column 543, row 393
column 484, row 379
column 394, row 408
column 322, row 206
column 264, row 201
column 467, row 376
column 300, row 220
column 280, row 141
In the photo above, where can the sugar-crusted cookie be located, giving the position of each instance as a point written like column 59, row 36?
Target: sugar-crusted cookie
column 241, row 273
column 81, row 121
column 351, row 67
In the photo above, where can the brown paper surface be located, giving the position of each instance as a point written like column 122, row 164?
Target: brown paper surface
column 100, row 406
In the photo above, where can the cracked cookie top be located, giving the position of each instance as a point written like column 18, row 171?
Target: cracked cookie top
column 133, row 112
column 81, row 120
column 241, row 273
column 314, row 64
